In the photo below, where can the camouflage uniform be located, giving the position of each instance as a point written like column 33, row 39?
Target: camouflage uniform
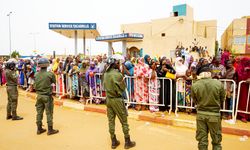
column 43, row 86
column 115, row 105
column 208, row 94
column 115, row 86
column 12, row 92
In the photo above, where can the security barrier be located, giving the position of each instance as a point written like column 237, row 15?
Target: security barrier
column 246, row 111
column 153, row 91
column 183, row 100
column 230, row 88
column 182, row 96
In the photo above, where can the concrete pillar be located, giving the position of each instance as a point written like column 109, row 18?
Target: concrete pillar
column 75, row 42
column 110, row 49
column 124, row 48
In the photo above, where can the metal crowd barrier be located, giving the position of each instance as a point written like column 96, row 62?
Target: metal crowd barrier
column 59, row 87
column 97, row 92
column 238, row 100
column 232, row 83
column 179, row 103
column 132, row 82
column 183, row 104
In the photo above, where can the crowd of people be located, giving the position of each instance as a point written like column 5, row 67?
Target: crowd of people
column 76, row 77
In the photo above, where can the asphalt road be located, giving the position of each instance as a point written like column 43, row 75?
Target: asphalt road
column 89, row 131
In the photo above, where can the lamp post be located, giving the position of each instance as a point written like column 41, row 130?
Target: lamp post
column 9, row 31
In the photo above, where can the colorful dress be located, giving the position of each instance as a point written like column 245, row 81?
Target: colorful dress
column 154, row 86
column 141, row 73
column 188, row 94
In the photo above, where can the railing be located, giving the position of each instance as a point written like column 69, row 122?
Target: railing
column 64, row 87
column 181, row 92
column 246, row 111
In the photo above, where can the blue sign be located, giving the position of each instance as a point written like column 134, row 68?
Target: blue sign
column 73, row 26
column 120, row 36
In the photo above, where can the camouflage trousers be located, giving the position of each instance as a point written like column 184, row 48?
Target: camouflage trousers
column 12, row 93
column 47, row 103
column 116, row 107
column 208, row 123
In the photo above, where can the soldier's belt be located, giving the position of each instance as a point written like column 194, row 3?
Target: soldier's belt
column 208, row 113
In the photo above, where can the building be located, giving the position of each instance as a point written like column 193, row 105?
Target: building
column 236, row 37
column 162, row 36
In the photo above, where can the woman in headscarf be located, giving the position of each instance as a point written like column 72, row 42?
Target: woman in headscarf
column 147, row 59
column 243, row 73
column 154, row 86
column 60, row 81
column 90, row 77
column 21, row 73
column 83, row 82
column 181, row 75
column 188, row 61
column 129, row 71
column 164, row 97
column 225, row 57
column 141, row 73
column 3, row 72
column 73, row 73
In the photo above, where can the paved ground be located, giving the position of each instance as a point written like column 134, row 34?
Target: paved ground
column 86, row 130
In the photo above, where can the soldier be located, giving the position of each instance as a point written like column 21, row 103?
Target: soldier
column 208, row 94
column 12, row 90
column 114, row 85
column 43, row 85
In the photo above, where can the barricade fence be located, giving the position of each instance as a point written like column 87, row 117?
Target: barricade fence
column 185, row 101
column 241, row 93
column 151, row 92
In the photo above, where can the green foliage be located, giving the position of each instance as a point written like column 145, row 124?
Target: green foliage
column 15, row 54
column 233, row 52
column 216, row 47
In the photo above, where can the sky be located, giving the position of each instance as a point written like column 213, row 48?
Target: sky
column 30, row 18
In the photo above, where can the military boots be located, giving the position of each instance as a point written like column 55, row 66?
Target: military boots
column 40, row 130
column 115, row 142
column 9, row 117
column 51, row 130
column 129, row 143
column 17, row 118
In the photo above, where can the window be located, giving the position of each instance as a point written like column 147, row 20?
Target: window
column 239, row 39
column 176, row 14
column 163, row 34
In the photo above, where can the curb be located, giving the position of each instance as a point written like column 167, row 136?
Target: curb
column 138, row 116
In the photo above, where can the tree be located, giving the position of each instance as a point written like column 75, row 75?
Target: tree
column 216, row 48
column 15, row 54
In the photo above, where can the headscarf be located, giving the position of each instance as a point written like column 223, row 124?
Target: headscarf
column 83, row 69
column 130, row 67
column 141, row 61
column 55, row 65
column 179, row 67
column 146, row 59
column 92, row 67
column 241, row 68
column 224, row 57
column 187, row 61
